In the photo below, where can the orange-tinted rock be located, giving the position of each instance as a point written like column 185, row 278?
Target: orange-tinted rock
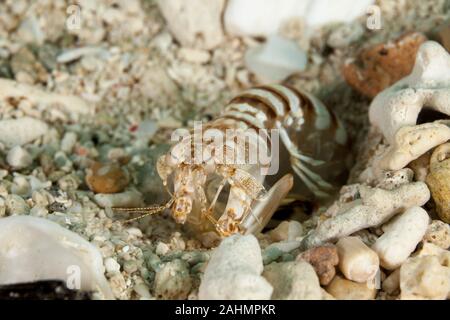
column 106, row 178
column 324, row 260
column 377, row 67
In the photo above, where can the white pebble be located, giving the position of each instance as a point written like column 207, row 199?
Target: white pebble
column 36, row 249
column 194, row 55
column 142, row 290
column 135, row 232
column 15, row 205
column 19, row 158
column 68, row 142
column 111, row 265
column 75, row 54
column 123, row 199
column 162, row 248
column 21, row 186
column 234, row 271
column 14, row 132
column 38, row 211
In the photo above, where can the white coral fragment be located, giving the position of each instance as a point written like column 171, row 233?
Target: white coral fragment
column 33, row 249
column 294, row 280
column 424, row 277
column 17, row 132
column 401, row 237
column 195, row 23
column 72, row 105
column 234, row 271
column 428, row 85
column 375, row 207
column 411, row 142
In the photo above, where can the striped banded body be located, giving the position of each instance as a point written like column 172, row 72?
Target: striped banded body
column 311, row 151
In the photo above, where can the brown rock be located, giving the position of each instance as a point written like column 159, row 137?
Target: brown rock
column 343, row 289
column 443, row 35
column 324, row 259
column 377, row 67
column 26, row 67
column 106, row 178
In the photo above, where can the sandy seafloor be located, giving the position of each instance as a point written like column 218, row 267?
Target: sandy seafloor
column 143, row 79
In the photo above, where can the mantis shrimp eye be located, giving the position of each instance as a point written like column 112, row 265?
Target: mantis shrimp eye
column 181, row 208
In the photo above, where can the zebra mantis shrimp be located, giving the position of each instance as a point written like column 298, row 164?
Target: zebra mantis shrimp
column 223, row 188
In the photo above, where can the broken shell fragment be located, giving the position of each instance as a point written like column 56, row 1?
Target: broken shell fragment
column 401, row 237
column 356, row 260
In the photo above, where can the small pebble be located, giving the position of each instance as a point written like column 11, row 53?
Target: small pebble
column 295, row 280
column 130, row 266
column 15, row 205
column 438, row 233
column 343, row 289
column 15, row 132
column 142, row 290
column 21, row 186
column 234, row 271
column 68, row 142
column 106, row 178
column 19, row 158
column 286, row 230
column 324, row 259
column 173, row 281
column 75, row 54
column 111, row 265
column 128, row 199
column 39, row 211
column 26, row 68
column 2, row 207
column 162, row 249
column 276, row 59
column 194, row 55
